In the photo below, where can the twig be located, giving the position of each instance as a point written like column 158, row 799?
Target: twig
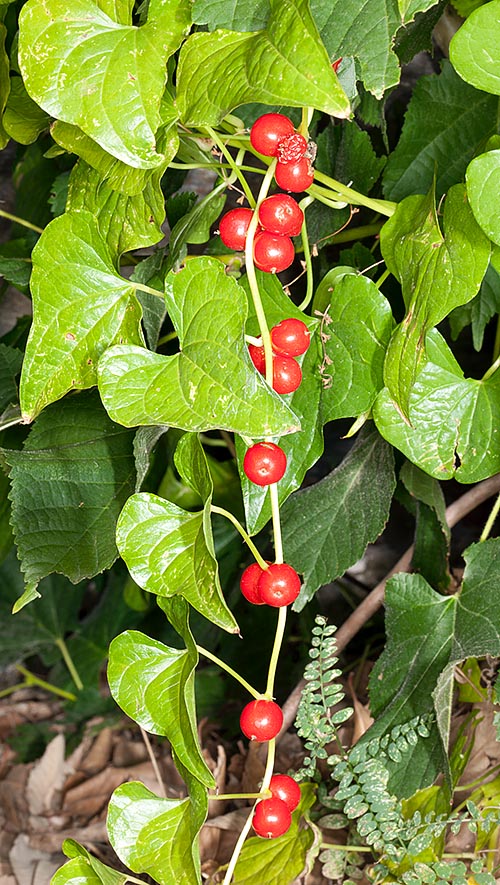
column 154, row 763
column 454, row 513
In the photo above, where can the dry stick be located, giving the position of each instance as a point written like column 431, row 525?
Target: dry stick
column 454, row 513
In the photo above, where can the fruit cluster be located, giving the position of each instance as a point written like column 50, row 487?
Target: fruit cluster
column 279, row 216
column 290, row 338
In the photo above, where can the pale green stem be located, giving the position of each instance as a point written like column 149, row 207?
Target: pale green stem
column 275, row 511
column 491, row 519
column 477, row 783
column 238, row 526
column 356, row 233
column 268, row 773
column 252, row 278
column 154, row 763
column 11, row 423
column 385, row 207
column 209, row 441
column 492, row 369
column 496, row 346
column 307, row 114
column 251, row 339
column 208, row 654
column 237, row 849
column 31, row 679
column 383, row 278
column 234, row 165
column 264, row 794
column 355, row 848
column 278, row 641
column 148, row 289
column 69, row 663
column 21, row 221
column 170, row 336
column 307, row 256
column 333, row 204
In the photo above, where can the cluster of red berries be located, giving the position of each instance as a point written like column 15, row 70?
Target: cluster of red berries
column 289, row 339
column 279, row 216
column 261, row 720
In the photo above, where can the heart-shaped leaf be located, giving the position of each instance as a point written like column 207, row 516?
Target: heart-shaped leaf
column 211, row 383
column 154, row 685
column 170, row 551
column 475, row 48
column 81, row 306
column 83, row 67
column 483, row 183
column 154, row 836
column 454, row 420
column 438, row 271
column 84, row 869
column 217, row 72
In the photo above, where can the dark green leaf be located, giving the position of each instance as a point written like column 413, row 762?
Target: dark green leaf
column 239, row 15
column 218, row 73
column 438, row 271
column 211, row 383
column 194, row 227
column 81, row 306
column 445, row 118
column 322, row 533
column 478, row 312
column 69, row 484
column 475, row 48
column 23, row 120
column 454, row 420
column 10, row 365
column 432, row 535
column 6, row 539
column 483, row 182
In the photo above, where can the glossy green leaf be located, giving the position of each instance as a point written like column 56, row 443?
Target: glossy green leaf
column 352, row 367
column 454, row 420
column 6, row 538
column 84, row 68
column 322, row 533
column 23, row 120
column 195, row 225
column 84, row 869
column 427, row 632
column 478, row 312
column 211, row 383
column 438, row 271
column 4, row 84
column 154, row 836
column 483, row 183
column 81, row 306
column 432, row 535
column 69, row 484
column 239, row 15
column 154, row 685
column 475, row 48
column 125, row 222
column 282, row 860
column 445, row 117
column 218, row 72
column 10, row 365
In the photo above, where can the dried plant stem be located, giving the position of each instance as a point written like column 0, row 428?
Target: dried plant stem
column 154, row 763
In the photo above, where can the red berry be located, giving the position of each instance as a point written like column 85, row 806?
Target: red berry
column 279, row 585
column 271, row 818
column 296, row 176
column 291, row 148
column 271, row 252
column 258, row 357
column 287, row 374
column 285, row 788
column 261, row 720
column 264, row 463
column 267, row 132
column 290, row 337
column 233, row 228
column 281, row 214
column 249, row 581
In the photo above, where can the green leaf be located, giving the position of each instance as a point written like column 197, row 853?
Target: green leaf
column 475, row 48
column 154, row 685
column 75, row 472
column 322, row 533
column 124, row 222
column 282, row 860
column 170, row 551
column 154, row 836
column 84, row 68
column 211, row 383
column 6, row 539
column 483, row 182
column 218, row 72
column 195, row 225
column 438, row 271
column 428, row 632
column 238, row 15
column 478, row 312
column 454, row 420
column 10, row 365
column 352, row 367
column 4, row 84
column 84, row 869
column 445, row 117
column 432, row 534
column 81, row 306
column 23, row 120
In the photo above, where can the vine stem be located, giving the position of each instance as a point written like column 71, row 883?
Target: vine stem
column 222, row 664
column 21, row 221
column 492, row 369
column 278, row 641
column 454, row 513
column 154, row 763
column 307, row 256
column 11, row 423
column 148, row 289
column 262, row 795
column 491, row 519
column 275, row 512
column 238, row 526
column 358, row 848
column 30, row 679
column 63, row 648
column 237, row 849
column 233, row 164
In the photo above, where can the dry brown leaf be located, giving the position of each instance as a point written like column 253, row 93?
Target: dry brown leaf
column 99, row 754
column 31, row 866
column 254, row 768
column 486, row 750
column 46, row 779
column 218, row 769
column 361, row 717
column 13, row 798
